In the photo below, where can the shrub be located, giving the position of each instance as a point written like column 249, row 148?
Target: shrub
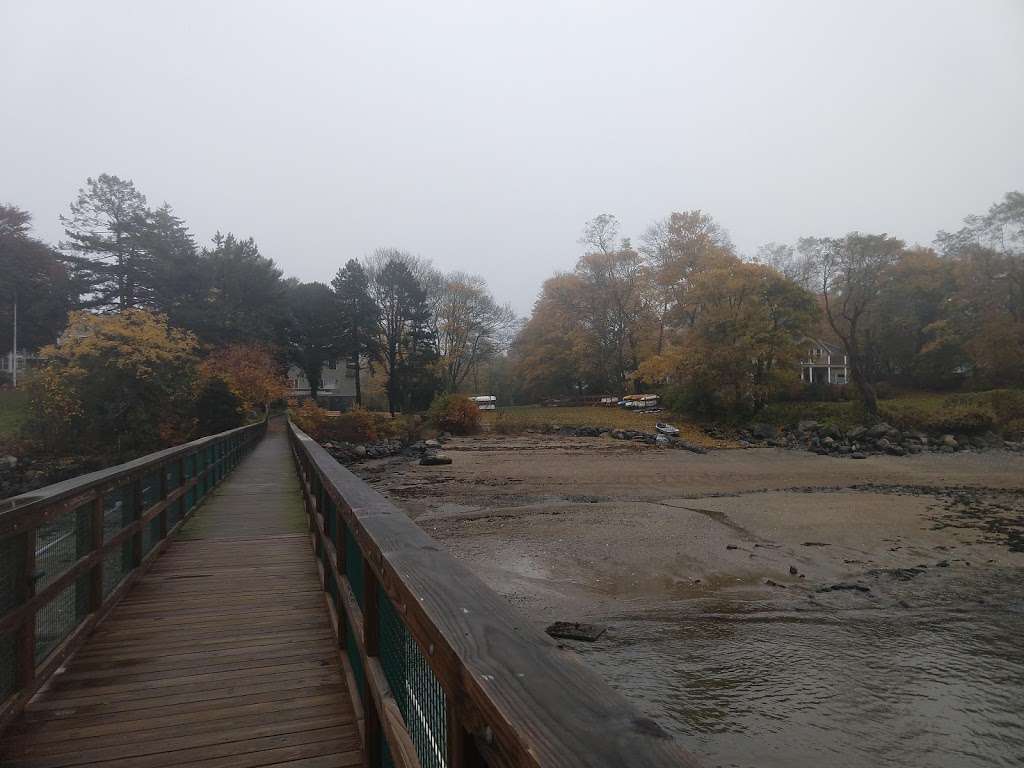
column 355, row 426
column 218, row 409
column 966, row 420
column 693, row 399
column 941, row 418
column 116, row 384
column 1014, row 429
column 310, row 418
column 454, row 413
column 408, row 428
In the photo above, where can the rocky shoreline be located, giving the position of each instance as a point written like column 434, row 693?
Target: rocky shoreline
column 863, row 441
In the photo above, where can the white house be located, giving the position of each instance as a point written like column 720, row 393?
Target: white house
column 337, row 390
column 825, row 363
column 22, row 359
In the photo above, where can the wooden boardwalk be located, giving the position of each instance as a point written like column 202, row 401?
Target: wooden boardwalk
column 222, row 656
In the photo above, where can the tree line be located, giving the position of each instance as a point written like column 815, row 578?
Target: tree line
column 684, row 310
column 391, row 312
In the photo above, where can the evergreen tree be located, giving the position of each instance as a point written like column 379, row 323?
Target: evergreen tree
column 32, row 277
column 243, row 298
column 359, row 316
column 105, row 250
column 313, row 338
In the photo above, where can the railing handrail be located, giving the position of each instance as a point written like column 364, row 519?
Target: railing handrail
column 525, row 702
column 13, row 508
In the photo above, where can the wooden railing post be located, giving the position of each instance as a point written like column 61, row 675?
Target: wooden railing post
column 136, row 559
column 371, row 642
column 96, row 574
column 462, row 750
column 163, row 497
column 26, row 649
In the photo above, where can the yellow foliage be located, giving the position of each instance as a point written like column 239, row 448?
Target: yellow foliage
column 115, row 383
column 250, row 372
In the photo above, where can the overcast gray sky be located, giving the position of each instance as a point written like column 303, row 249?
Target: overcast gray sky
column 482, row 135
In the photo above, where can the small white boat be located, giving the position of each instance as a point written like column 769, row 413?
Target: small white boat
column 666, row 429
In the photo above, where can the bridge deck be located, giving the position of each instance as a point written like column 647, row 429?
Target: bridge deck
column 222, row 655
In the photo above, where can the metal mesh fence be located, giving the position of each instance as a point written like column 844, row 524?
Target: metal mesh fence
column 354, row 566
column 356, row 662
column 56, row 619
column 176, row 511
column 117, row 513
column 59, row 543
column 415, row 688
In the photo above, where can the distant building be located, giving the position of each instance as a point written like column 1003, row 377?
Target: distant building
column 825, row 363
column 337, row 390
column 22, row 358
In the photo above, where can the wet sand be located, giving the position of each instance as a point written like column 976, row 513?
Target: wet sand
column 670, row 549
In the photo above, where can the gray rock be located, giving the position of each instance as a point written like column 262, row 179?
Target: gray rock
column 948, row 440
column 896, row 450
column 881, row 429
column 764, row 431
column 435, row 459
column 359, row 451
column 857, row 433
column 431, row 444
column 9, row 461
column 858, row 455
column 807, row 425
column 883, row 443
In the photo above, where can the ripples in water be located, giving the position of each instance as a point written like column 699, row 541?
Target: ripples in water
column 867, row 688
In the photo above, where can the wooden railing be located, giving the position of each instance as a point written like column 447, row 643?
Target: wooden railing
column 70, row 551
column 444, row 671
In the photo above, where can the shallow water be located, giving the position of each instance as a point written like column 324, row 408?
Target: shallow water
column 936, row 685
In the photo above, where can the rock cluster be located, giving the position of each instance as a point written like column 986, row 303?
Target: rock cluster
column 861, row 442
column 428, row 451
column 634, row 435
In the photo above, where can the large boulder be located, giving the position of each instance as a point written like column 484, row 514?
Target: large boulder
column 435, row 459
column 764, row 431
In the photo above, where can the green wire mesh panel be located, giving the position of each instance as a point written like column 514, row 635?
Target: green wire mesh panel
column 56, row 619
column 59, row 543
column 175, row 511
column 12, row 594
column 356, row 662
column 117, row 513
column 415, row 688
column 354, row 566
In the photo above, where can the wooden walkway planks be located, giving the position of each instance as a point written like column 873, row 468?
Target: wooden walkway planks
column 222, row 656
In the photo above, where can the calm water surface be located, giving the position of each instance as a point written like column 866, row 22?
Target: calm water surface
column 940, row 684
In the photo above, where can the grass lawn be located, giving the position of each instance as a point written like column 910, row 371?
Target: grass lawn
column 519, row 418
column 13, row 411
column 1000, row 409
